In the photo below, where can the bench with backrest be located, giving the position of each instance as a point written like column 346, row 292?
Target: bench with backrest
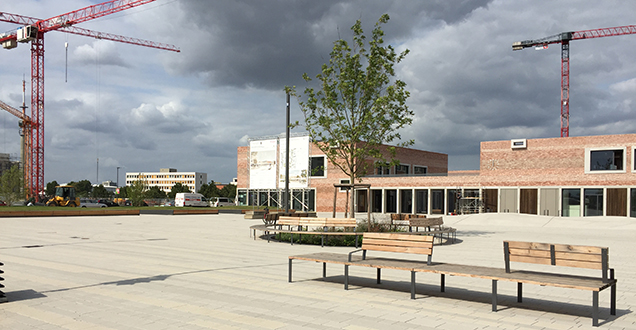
column 379, row 242
column 303, row 225
column 432, row 226
column 578, row 256
column 590, row 257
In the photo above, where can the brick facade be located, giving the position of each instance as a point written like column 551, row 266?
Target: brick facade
column 552, row 163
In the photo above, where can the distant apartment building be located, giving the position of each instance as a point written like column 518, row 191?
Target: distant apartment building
column 168, row 177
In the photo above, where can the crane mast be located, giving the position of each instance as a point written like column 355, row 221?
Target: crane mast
column 564, row 39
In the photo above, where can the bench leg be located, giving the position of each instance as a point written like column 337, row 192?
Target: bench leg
column 494, row 295
column 595, row 308
column 612, row 294
column 289, row 276
column 346, row 284
column 379, row 282
column 519, row 291
column 613, row 299
column 324, row 269
column 443, row 283
column 412, row 284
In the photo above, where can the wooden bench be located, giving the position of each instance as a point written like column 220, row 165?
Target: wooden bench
column 590, row 257
column 384, row 242
column 302, row 225
column 433, row 226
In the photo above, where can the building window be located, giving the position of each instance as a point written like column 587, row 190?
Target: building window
column 344, row 181
column 317, row 165
column 571, row 202
column 605, row 160
column 402, row 169
column 593, row 202
column 420, row 170
column 382, row 170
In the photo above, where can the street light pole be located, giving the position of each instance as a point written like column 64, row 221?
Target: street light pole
column 118, row 167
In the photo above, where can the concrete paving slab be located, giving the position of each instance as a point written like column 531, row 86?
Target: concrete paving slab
column 206, row 272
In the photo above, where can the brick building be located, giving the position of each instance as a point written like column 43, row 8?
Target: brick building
column 574, row 176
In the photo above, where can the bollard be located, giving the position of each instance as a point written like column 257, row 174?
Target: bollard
column 3, row 298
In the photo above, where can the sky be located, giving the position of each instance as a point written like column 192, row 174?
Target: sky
column 142, row 109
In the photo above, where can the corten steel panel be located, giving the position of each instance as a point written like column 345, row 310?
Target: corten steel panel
column 491, row 197
column 528, row 202
column 617, row 202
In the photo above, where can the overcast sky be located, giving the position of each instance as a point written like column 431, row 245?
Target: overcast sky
column 143, row 109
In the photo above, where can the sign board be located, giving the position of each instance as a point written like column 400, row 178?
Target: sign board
column 298, row 162
column 263, row 164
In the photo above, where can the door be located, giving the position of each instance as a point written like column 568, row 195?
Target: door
column 508, row 201
column 549, row 201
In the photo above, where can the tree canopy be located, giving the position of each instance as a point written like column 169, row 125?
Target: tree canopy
column 178, row 188
column 154, row 193
column 11, row 185
column 359, row 106
column 209, row 190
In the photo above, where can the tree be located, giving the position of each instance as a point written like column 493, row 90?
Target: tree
column 209, row 190
column 83, row 188
column 11, row 185
column 101, row 192
column 229, row 191
column 360, row 105
column 155, row 193
column 136, row 192
column 123, row 192
column 178, row 188
column 50, row 188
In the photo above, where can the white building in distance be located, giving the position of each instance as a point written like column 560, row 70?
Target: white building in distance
column 167, row 177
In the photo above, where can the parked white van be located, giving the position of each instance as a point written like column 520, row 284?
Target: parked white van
column 222, row 201
column 190, row 199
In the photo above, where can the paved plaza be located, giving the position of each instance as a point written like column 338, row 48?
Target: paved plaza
column 206, row 272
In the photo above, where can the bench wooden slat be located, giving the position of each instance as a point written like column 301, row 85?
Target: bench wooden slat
column 405, row 237
column 557, row 247
column 413, row 250
column 384, row 242
column 558, row 255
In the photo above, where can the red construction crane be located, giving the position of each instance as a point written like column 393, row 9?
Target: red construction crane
column 564, row 39
column 33, row 31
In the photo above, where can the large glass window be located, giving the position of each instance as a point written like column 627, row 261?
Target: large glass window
column 317, row 166
column 606, row 160
column 632, row 212
column 437, row 201
column 593, row 202
column 421, row 201
column 376, row 200
column 571, row 202
column 390, row 197
column 406, row 201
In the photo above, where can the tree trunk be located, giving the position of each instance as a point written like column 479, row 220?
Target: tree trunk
column 352, row 198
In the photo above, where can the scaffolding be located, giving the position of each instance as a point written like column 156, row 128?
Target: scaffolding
column 470, row 201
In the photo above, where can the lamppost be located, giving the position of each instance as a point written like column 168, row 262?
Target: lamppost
column 118, row 167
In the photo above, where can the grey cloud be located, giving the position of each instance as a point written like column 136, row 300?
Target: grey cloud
column 271, row 44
